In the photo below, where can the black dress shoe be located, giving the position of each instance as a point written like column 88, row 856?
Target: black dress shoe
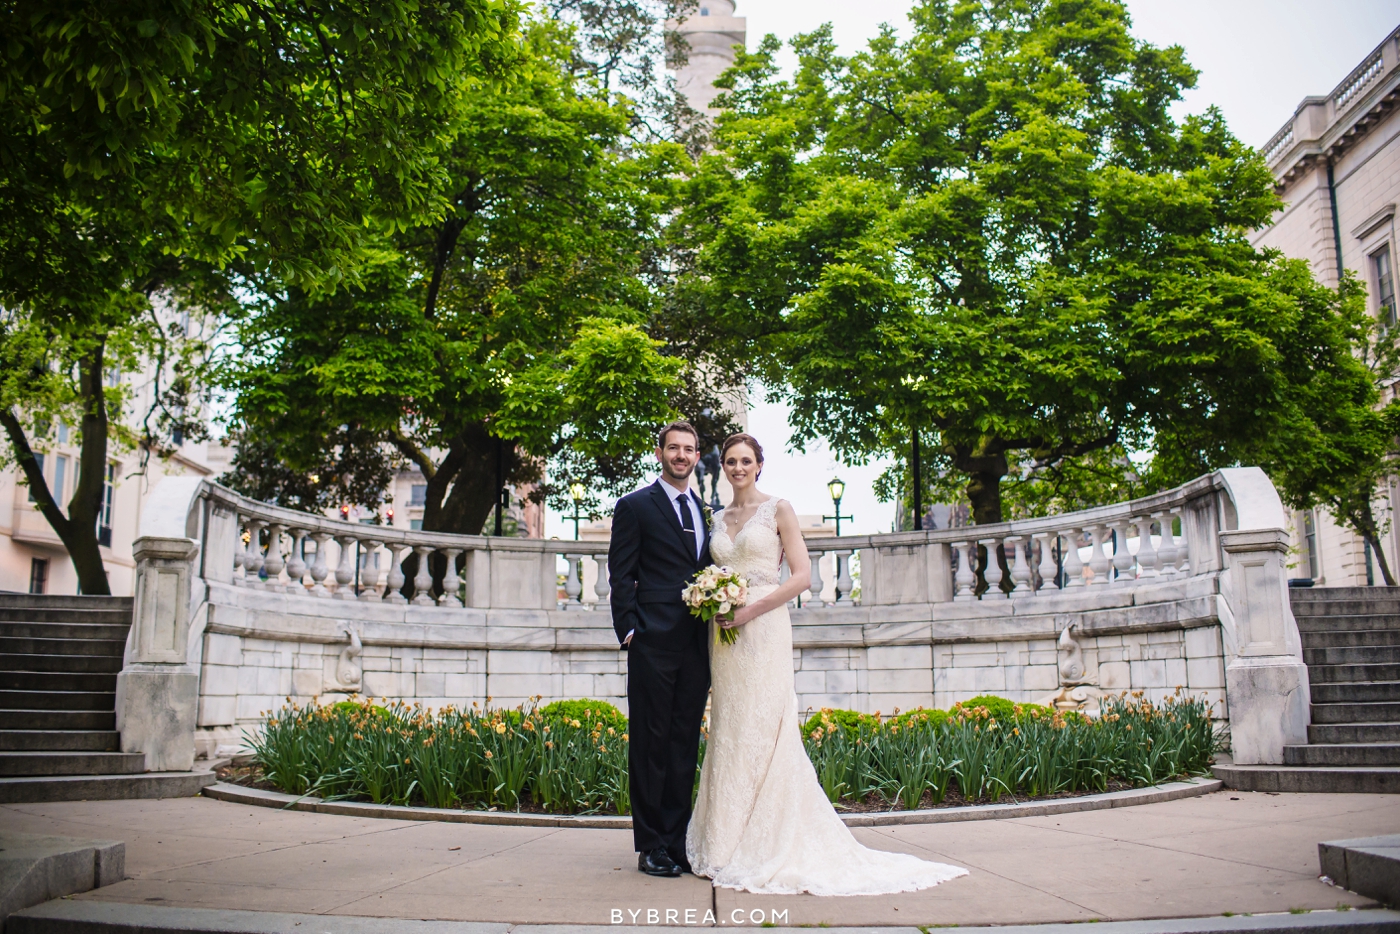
column 682, row 863
column 658, row 862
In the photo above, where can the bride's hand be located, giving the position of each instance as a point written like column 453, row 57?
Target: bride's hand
column 737, row 617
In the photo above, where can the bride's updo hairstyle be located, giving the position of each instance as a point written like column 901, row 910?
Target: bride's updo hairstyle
column 744, row 438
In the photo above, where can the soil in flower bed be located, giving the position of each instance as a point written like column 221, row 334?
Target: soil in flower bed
column 250, row 776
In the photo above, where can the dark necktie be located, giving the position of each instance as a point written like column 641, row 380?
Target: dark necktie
column 688, row 523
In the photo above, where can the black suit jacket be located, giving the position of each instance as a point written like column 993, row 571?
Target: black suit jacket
column 650, row 561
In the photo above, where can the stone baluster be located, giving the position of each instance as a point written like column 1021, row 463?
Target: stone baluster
column 451, row 583
column 1020, row 569
column 992, row 572
column 1098, row 561
column 816, row 584
column 319, row 568
column 1183, row 549
column 345, row 570
column 844, row 583
column 296, row 563
column 1049, row 571
column 369, row 571
column 393, row 585
column 1147, row 554
column 254, row 562
column 1166, row 548
column 423, row 580
column 600, row 587
column 573, row 587
column 273, row 563
column 966, row 576
column 1074, row 564
column 240, row 551
column 1122, row 557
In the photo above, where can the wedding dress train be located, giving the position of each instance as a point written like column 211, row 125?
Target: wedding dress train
column 761, row 821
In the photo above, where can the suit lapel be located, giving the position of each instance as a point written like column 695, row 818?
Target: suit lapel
column 706, row 546
column 662, row 499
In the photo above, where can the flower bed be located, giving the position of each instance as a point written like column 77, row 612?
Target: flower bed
column 571, row 757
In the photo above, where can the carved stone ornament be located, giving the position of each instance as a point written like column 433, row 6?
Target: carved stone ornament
column 348, row 673
column 1077, row 688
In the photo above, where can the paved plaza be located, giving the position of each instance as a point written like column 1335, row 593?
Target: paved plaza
column 1236, row 852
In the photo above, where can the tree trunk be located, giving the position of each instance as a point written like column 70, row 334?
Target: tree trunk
column 1365, row 523
column 78, row 529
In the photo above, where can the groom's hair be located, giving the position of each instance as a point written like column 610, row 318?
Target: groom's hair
column 679, row 424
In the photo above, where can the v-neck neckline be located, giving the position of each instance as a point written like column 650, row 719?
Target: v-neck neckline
column 745, row 524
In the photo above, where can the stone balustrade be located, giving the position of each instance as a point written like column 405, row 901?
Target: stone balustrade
column 287, row 604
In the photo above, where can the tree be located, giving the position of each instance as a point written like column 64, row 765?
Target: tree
column 1339, row 449
column 507, row 334
column 147, row 145
column 995, row 234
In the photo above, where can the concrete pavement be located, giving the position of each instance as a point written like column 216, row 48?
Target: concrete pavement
column 1225, row 852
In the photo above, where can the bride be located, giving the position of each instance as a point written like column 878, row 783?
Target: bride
column 762, row 822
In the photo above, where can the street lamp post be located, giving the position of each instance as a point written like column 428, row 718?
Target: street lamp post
column 576, row 494
column 837, row 489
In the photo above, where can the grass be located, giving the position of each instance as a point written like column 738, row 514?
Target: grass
column 571, row 757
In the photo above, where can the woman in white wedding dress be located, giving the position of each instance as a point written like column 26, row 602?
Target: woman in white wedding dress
column 761, row 821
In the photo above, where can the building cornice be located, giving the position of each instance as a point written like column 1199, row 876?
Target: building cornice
column 1323, row 128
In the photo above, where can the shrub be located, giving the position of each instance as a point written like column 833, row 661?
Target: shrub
column 571, row 756
column 586, row 710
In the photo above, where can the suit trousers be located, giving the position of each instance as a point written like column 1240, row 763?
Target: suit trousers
column 667, row 687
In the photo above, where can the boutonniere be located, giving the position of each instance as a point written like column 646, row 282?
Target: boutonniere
column 707, row 513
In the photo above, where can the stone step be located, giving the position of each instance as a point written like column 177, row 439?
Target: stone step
column 24, row 645
column 64, row 630
column 1350, row 692
column 76, row 663
column 1337, row 674
column 1383, row 712
column 51, row 762
column 1354, row 733
column 44, row 601
column 1343, row 754
column 1353, row 655
column 58, row 700
column 15, row 790
column 1342, row 637
column 58, row 719
column 108, row 617
column 57, row 681
column 1368, row 866
column 109, row 916
column 60, row 740
column 1292, row 778
column 1333, row 621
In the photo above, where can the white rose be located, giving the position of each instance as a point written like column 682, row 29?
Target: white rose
column 724, row 606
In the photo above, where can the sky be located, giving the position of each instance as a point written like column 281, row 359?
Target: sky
column 1258, row 59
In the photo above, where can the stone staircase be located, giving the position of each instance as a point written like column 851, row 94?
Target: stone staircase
column 59, row 659
column 1351, row 644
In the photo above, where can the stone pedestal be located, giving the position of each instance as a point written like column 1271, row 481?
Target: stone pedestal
column 1267, row 682
column 158, row 690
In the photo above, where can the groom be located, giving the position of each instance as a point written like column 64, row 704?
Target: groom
column 659, row 540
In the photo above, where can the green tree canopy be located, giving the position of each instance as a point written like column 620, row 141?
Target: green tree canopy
column 995, row 234
column 146, row 147
column 508, row 335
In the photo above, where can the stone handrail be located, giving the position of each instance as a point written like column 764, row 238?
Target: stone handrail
column 1317, row 119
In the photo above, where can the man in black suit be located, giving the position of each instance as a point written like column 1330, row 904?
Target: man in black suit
column 659, row 540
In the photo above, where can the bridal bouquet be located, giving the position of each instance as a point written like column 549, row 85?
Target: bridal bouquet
column 714, row 592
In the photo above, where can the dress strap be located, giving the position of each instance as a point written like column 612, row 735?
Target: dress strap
column 767, row 513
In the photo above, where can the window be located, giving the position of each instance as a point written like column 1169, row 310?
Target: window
column 104, row 521
column 62, row 433
column 60, row 476
column 704, row 11
column 418, row 495
column 39, row 460
column 415, row 524
column 1310, row 543
column 38, row 575
column 1385, row 287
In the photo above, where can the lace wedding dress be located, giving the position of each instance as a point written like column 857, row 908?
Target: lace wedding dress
column 762, row 822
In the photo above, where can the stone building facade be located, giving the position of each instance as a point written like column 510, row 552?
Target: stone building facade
column 1337, row 166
